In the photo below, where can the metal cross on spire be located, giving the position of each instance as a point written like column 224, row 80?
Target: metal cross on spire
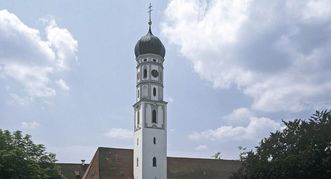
column 150, row 14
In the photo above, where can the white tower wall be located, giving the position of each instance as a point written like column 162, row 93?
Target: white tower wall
column 150, row 120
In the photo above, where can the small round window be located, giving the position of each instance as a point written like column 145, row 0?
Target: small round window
column 155, row 73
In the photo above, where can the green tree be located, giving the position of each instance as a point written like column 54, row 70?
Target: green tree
column 301, row 150
column 21, row 158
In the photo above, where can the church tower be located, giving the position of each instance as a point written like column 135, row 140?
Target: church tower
column 150, row 110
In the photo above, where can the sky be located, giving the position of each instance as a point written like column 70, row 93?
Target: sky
column 233, row 71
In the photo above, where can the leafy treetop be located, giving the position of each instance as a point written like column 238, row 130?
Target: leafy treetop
column 21, row 158
column 301, row 150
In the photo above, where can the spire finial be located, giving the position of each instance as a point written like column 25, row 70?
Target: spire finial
column 150, row 14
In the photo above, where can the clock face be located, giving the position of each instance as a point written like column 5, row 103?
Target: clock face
column 155, row 73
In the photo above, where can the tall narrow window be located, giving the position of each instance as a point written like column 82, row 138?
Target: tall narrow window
column 154, row 116
column 145, row 73
column 137, row 162
column 154, row 91
column 154, row 140
column 154, row 162
column 138, row 94
column 138, row 117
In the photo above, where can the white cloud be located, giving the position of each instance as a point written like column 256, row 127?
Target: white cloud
column 64, row 44
column 277, row 52
column 201, row 147
column 239, row 117
column 31, row 62
column 62, row 84
column 253, row 129
column 34, row 79
column 119, row 133
column 30, row 125
column 317, row 10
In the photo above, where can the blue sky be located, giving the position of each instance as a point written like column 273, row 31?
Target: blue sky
column 233, row 71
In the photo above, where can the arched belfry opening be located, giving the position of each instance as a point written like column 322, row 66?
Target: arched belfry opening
column 154, row 161
column 154, row 120
column 145, row 73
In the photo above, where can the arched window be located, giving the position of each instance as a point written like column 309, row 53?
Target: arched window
column 154, row 140
column 145, row 73
column 154, row 162
column 154, row 91
column 137, row 162
column 154, row 116
column 138, row 117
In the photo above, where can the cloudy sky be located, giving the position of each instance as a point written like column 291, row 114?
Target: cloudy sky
column 234, row 70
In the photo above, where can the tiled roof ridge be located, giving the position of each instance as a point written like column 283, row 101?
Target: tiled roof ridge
column 70, row 163
column 113, row 148
column 193, row 158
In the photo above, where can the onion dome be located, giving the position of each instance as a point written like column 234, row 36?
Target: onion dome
column 149, row 44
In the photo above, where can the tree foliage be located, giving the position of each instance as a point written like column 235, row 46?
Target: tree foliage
column 21, row 158
column 301, row 150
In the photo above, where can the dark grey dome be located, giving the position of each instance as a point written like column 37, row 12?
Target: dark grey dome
column 149, row 44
